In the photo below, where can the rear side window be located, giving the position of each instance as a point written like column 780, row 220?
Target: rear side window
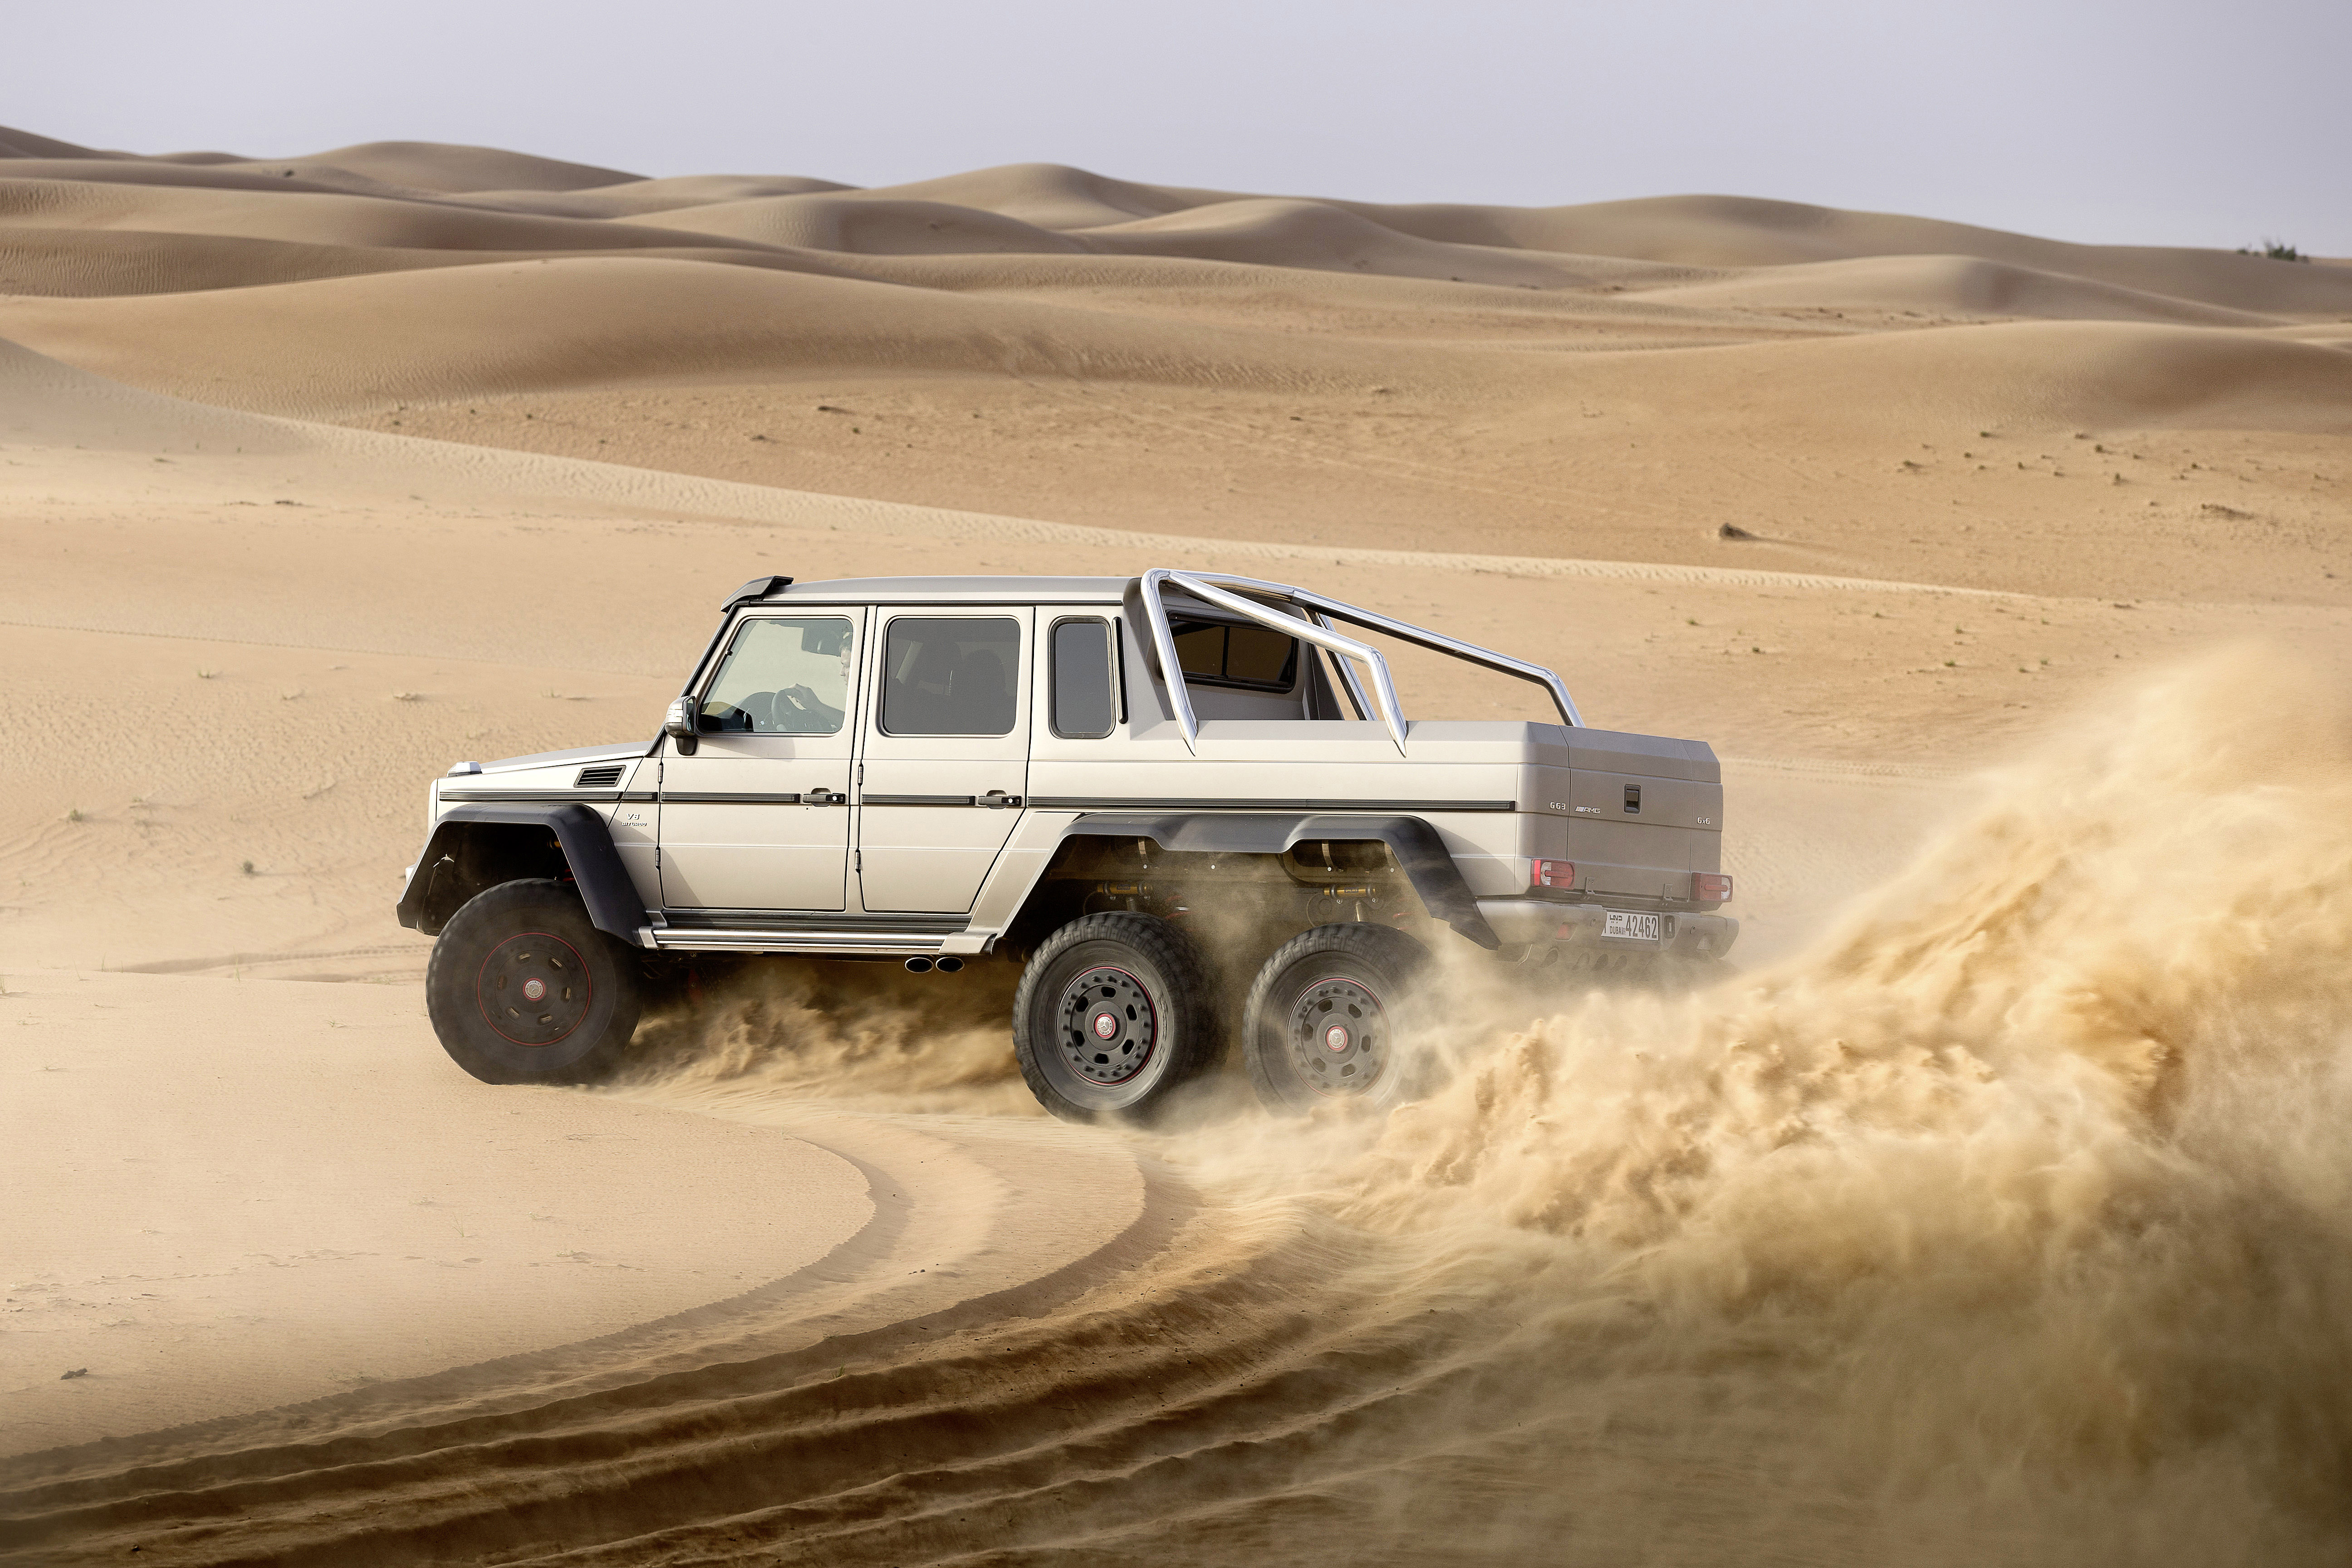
column 1085, row 705
column 1257, row 658
column 951, row 675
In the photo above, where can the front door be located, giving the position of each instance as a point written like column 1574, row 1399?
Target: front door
column 947, row 754
column 758, row 818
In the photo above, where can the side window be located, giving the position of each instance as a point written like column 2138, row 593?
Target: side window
column 1085, row 704
column 1255, row 658
column 781, row 676
column 951, row 675
column 1200, row 649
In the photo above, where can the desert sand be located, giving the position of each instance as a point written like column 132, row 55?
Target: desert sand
column 1994, row 1212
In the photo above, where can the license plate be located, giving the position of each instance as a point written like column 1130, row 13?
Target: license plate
column 1643, row 928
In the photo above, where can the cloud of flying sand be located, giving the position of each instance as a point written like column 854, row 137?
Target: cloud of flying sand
column 2005, row 1220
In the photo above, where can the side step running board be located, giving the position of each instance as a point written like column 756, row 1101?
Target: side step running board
column 879, row 944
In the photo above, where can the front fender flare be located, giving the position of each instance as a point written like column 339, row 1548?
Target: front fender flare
column 586, row 840
column 1420, row 852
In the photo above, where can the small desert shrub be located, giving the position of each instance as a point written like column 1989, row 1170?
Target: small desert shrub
column 2275, row 249
column 246, row 867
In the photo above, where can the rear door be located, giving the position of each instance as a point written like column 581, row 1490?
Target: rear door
column 758, row 818
column 946, row 762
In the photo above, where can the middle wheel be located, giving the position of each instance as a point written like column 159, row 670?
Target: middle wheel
column 1115, row 1013
column 1333, row 1015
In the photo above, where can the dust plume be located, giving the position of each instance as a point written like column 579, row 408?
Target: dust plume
column 860, row 1034
column 2014, row 1206
column 2005, row 1221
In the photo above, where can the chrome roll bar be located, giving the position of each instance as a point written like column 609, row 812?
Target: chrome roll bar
column 1312, row 620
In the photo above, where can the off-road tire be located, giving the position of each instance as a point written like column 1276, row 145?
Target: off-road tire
column 1116, row 1013
column 1334, row 1015
column 498, row 946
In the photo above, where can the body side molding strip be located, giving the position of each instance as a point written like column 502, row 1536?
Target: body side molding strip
column 726, row 797
column 819, row 920
column 515, row 796
column 1093, row 803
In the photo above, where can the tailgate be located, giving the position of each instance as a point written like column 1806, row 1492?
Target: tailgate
column 1637, row 813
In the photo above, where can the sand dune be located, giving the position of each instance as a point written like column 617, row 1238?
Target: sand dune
column 1700, row 231
column 356, row 344
column 437, row 334
column 1805, row 1266
column 84, row 262
column 634, row 199
column 1738, row 231
column 25, row 144
column 126, row 170
column 419, row 196
column 439, row 166
column 1956, row 285
column 1265, row 231
column 865, row 226
column 1051, row 195
column 314, row 218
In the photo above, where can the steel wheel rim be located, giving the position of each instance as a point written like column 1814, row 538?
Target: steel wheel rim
column 534, row 990
column 1336, row 1033
column 1105, row 1028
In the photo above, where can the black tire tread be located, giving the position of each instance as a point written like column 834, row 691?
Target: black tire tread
column 1197, row 1050
column 444, row 982
column 1399, row 954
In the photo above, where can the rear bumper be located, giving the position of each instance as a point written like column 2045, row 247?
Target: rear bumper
column 1530, row 922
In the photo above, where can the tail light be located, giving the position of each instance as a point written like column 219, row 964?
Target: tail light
column 1553, row 874
column 1711, row 888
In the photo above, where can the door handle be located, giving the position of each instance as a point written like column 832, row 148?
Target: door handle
column 997, row 797
column 824, row 797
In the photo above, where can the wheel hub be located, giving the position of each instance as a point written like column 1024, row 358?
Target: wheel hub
column 1109, row 1025
column 534, row 989
column 1337, row 1035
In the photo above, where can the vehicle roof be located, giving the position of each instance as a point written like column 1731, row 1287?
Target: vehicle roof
column 953, row 590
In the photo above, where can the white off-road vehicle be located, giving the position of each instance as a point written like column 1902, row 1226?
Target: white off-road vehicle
column 1144, row 790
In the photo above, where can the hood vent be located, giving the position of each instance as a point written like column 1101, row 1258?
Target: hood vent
column 604, row 777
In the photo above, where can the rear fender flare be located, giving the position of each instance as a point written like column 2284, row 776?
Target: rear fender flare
column 1419, row 850
column 586, row 841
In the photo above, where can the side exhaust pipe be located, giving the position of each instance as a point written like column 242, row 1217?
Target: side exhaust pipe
column 948, row 965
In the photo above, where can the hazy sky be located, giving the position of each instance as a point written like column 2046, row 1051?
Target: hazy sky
column 2160, row 121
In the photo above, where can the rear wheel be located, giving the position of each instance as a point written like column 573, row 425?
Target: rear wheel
column 522, row 989
column 1115, row 1014
column 1332, row 1016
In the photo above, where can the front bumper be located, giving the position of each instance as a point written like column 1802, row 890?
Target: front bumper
column 1534, row 923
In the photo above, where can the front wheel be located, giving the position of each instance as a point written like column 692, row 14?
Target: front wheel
column 1115, row 1014
column 522, row 989
column 1332, row 1016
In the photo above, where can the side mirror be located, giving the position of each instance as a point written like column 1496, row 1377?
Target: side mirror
column 682, row 722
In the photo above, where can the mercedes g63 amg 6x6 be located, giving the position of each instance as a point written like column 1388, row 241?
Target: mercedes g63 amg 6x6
column 1143, row 790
